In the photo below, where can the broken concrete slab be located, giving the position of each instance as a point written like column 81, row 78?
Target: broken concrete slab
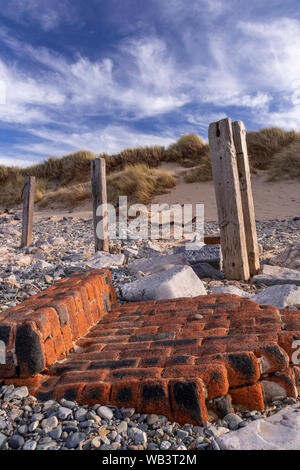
column 289, row 257
column 280, row 431
column 280, row 296
column 206, row 270
column 179, row 281
column 102, row 259
column 157, row 264
column 230, row 290
column 274, row 275
column 210, row 254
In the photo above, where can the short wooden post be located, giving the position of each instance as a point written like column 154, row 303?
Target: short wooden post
column 228, row 197
column 28, row 209
column 239, row 136
column 99, row 195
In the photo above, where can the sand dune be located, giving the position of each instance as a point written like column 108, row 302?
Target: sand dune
column 272, row 200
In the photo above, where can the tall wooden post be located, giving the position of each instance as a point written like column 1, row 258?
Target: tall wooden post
column 229, row 202
column 99, row 195
column 239, row 136
column 28, row 209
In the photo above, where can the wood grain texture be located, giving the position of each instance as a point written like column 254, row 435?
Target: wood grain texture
column 229, row 203
column 239, row 136
column 28, row 209
column 99, row 196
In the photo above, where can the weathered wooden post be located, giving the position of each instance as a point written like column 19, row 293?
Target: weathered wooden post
column 99, row 196
column 229, row 202
column 239, row 137
column 28, row 209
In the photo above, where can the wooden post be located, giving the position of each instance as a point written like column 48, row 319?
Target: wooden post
column 99, row 195
column 28, row 209
column 239, row 137
column 228, row 197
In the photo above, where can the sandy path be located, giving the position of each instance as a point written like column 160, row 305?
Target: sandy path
column 272, row 200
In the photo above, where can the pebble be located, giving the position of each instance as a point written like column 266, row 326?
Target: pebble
column 105, row 412
column 16, row 441
column 74, row 440
column 58, row 246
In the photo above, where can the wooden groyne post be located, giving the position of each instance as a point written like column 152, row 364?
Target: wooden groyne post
column 28, row 209
column 231, row 174
column 99, row 196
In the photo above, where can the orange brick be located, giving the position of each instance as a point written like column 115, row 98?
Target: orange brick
column 188, row 401
column 250, row 396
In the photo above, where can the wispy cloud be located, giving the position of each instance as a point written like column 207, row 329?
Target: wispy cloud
column 190, row 65
column 47, row 14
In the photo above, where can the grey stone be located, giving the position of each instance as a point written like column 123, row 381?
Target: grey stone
column 37, row 417
column 215, row 445
column 56, row 433
column 17, row 393
column 105, row 413
column 3, row 440
column 180, row 281
column 96, row 443
column 32, row 427
column 216, row 431
column 230, row 290
column 152, row 419
column 157, row 264
column 223, row 405
column 2, row 424
column 64, row 413
column 30, row 445
column 23, row 429
column 50, row 423
column 138, row 436
column 206, row 270
column 102, row 259
column 122, row 427
column 280, row 296
column 289, row 257
column 231, row 421
column 152, row 446
column 210, row 254
column 275, row 275
column 182, row 434
column 68, row 404
column 80, row 414
column 165, row 445
column 280, row 431
column 16, row 441
column 74, row 440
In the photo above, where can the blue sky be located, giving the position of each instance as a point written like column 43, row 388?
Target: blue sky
column 103, row 75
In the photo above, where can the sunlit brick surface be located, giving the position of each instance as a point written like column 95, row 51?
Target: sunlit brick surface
column 166, row 357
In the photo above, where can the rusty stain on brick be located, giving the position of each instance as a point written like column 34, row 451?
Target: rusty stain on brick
column 155, row 356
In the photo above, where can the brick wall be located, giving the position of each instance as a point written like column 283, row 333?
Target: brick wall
column 177, row 358
column 45, row 327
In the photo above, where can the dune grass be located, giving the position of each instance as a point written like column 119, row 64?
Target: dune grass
column 138, row 182
column 286, row 164
column 200, row 173
column 265, row 143
column 67, row 178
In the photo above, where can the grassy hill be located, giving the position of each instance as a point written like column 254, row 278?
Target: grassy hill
column 135, row 171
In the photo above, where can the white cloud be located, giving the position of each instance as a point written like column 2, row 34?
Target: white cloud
column 243, row 64
column 110, row 139
column 48, row 14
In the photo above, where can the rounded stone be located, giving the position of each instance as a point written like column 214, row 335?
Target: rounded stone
column 16, row 442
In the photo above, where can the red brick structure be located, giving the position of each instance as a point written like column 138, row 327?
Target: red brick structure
column 173, row 357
